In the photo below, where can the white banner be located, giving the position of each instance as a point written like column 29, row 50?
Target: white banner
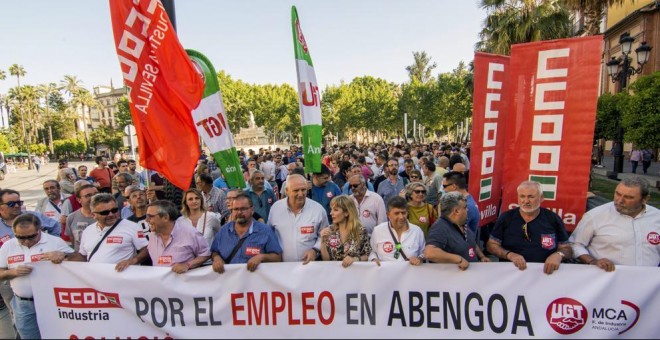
column 324, row 300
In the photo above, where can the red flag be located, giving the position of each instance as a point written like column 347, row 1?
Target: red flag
column 490, row 111
column 163, row 85
column 554, row 92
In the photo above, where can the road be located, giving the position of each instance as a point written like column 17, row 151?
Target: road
column 30, row 183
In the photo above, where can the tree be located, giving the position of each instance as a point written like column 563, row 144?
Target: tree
column 421, row 67
column 593, row 12
column 123, row 115
column 4, row 142
column 45, row 91
column 607, row 116
column 3, row 76
column 519, row 21
column 106, row 135
column 238, row 98
column 640, row 111
column 275, row 108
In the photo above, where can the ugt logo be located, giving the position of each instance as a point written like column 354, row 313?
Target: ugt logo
column 566, row 315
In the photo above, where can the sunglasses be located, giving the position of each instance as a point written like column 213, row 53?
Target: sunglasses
column 525, row 234
column 28, row 237
column 354, row 186
column 447, row 185
column 12, row 204
column 420, row 191
column 107, row 212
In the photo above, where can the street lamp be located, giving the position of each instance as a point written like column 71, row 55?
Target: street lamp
column 620, row 70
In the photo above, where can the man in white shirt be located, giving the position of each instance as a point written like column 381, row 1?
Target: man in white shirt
column 111, row 239
column 51, row 205
column 623, row 232
column 16, row 255
column 369, row 204
column 397, row 239
column 297, row 221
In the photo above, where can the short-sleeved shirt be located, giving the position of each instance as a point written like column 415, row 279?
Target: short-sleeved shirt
column 263, row 202
column 103, row 176
column 473, row 215
column 48, row 224
column 142, row 223
column 371, row 210
column 447, row 236
column 259, row 239
column 76, row 223
column 423, row 216
column 434, row 186
column 216, row 201
column 185, row 243
column 383, row 246
column 297, row 233
column 546, row 232
column 122, row 244
column 323, row 195
column 13, row 254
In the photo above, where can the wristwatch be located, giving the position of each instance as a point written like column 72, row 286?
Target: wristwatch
column 561, row 254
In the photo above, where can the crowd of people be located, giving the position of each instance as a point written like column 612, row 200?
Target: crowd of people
column 374, row 203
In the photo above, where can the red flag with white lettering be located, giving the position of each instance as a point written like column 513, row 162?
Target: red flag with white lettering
column 554, row 92
column 488, row 125
column 163, row 85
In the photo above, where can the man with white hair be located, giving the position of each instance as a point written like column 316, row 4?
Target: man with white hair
column 530, row 233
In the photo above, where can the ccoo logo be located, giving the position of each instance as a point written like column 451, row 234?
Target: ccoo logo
column 566, row 315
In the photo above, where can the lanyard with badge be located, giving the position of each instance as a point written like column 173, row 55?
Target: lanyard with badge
column 397, row 244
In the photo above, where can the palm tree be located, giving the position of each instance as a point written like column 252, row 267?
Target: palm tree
column 85, row 99
column 421, row 67
column 19, row 71
column 45, row 92
column 3, row 76
column 519, row 21
column 592, row 11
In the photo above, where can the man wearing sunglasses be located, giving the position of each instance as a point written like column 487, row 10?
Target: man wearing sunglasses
column 454, row 181
column 10, row 209
column 111, row 239
column 530, row 233
column 29, row 245
column 370, row 205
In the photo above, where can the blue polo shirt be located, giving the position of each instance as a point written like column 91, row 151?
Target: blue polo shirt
column 323, row 195
column 473, row 215
column 262, row 203
column 259, row 239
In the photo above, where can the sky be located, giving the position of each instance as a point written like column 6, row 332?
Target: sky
column 250, row 39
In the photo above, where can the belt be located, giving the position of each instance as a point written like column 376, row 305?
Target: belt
column 24, row 299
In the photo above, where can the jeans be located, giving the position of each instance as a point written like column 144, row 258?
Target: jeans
column 25, row 318
column 634, row 166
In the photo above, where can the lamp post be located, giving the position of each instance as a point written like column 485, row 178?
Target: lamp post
column 620, row 70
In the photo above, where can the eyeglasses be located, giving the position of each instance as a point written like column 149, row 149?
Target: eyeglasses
column 150, row 215
column 420, row 191
column 26, row 238
column 355, row 186
column 525, row 234
column 12, row 204
column 107, row 212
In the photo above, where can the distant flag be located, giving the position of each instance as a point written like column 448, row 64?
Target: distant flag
column 308, row 97
column 211, row 122
column 163, row 85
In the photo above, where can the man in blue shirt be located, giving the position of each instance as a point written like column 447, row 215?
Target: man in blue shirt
column 455, row 181
column 262, row 198
column 10, row 208
column 244, row 240
column 324, row 190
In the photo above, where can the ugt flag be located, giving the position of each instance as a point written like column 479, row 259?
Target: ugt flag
column 163, row 88
column 211, row 122
column 308, row 97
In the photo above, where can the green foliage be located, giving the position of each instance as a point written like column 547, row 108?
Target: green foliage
column 106, row 135
column 66, row 146
column 238, row 98
column 641, row 112
column 275, row 107
column 38, row 149
column 123, row 114
column 607, row 116
column 5, row 146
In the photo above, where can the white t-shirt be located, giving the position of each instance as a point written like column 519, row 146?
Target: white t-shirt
column 372, row 211
column 13, row 254
column 383, row 245
column 122, row 244
column 208, row 229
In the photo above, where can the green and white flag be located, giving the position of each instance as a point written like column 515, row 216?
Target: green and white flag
column 211, row 123
column 485, row 189
column 308, row 97
column 548, row 185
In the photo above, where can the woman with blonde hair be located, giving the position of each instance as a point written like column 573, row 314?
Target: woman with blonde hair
column 194, row 211
column 346, row 239
column 420, row 213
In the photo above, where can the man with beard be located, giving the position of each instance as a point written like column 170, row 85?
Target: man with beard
column 530, row 233
column 370, row 205
column 393, row 184
column 138, row 206
column 244, row 240
column 623, row 232
column 262, row 198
